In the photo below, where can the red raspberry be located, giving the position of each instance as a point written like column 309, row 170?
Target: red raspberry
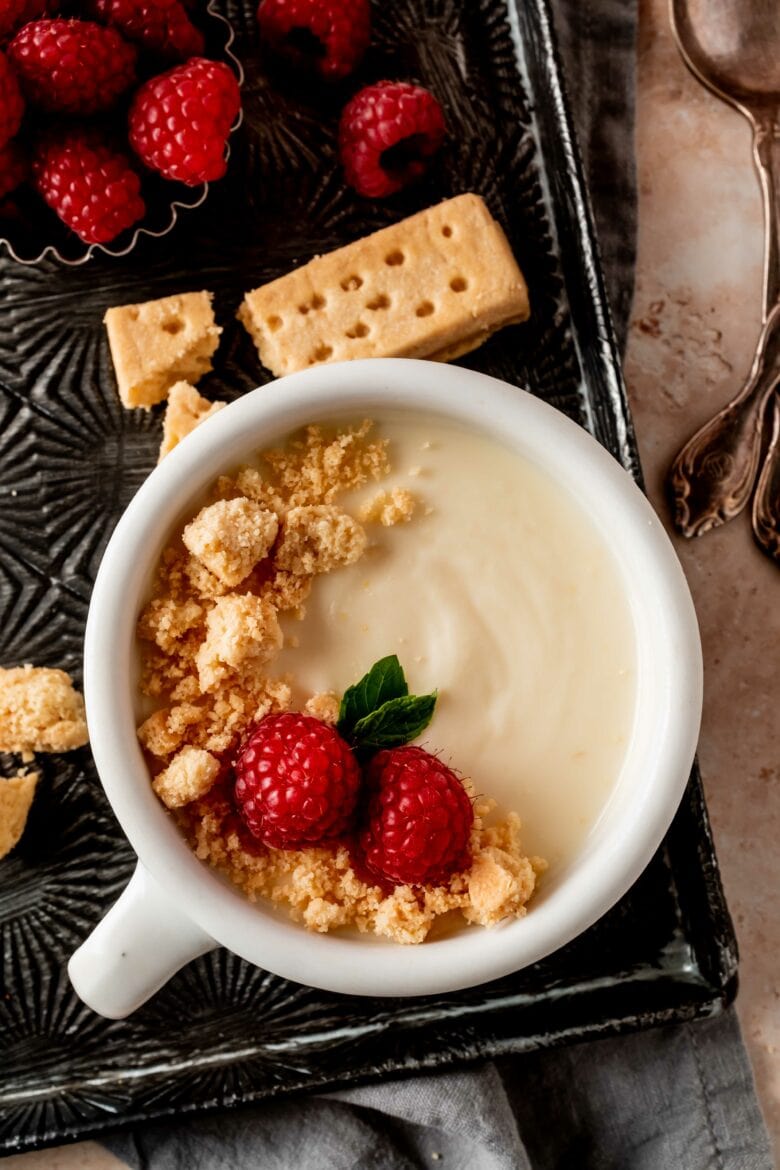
column 328, row 36
column 161, row 26
column 419, row 818
column 11, row 101
column 387, row 135
column 180, row 121
column 72, row 66
column 14, row 13
column 91, row 186
column 13, row 168
column 297, row 781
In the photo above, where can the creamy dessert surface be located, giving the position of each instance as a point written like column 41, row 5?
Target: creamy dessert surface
column 502, row 595
column 413, row 538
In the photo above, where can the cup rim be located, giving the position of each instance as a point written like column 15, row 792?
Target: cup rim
column 595, row 880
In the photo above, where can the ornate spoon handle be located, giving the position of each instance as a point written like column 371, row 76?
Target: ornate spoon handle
column 766, row 154
column 766, row 502
column 713, row 475
column 711, row 479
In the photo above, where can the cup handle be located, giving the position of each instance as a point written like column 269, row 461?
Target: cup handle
column 143, row 940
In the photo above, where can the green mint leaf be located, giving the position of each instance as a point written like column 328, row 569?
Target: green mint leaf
column 385, row 680
column 396, row 722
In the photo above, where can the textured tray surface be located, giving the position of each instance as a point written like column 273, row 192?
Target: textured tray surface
column 70, row 460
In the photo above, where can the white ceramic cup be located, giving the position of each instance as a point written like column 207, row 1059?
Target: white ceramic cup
column 175, row 907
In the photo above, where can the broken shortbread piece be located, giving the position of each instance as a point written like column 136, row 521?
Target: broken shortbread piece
column 189, row 776
column 435, row 285
column 388, row 508
column 16, row 797
column 230, row 537
column 158, row 343
column 185, row 411
column 242, row 631
column 40, row 711
column 317, row 538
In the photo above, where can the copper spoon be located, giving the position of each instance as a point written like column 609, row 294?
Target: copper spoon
column 733, row 47
column 766, row 501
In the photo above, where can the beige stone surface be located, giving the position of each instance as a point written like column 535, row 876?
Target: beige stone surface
column 694, row 327
column 696, row 319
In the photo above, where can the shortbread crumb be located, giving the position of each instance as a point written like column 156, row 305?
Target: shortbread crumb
column 156, row 344
column 167, row 622
column 185, row 411
column 320, row 888
column 230, row 537
column 319, row 538
column 315, row 469
column 16, row 797
column 240, row 630
column 324, row 706
column 164, row 731
column 189, row 776
column 40, row 711
column 388, row 508
column 401, row 918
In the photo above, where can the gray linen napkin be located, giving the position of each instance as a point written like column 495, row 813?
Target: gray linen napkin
column 678, row 1098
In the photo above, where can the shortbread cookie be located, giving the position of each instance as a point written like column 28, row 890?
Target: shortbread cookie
column 40, row 711
column 16, row 797
column 434, row 286
column 185, row 411
column 159, row 343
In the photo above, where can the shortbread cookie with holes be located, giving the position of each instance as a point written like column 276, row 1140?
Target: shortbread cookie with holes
column 436, row 285
column 159, row 343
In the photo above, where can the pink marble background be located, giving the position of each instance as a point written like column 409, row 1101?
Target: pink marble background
column 695, row 322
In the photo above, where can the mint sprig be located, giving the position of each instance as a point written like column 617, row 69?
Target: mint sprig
column 395, row 722
column 385, row 680
column 378, row 712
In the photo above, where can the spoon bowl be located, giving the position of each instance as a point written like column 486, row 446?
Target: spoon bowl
column 732, row 46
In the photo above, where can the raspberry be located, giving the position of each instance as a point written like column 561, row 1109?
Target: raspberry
column 15, row 13
column 72, row 66
column 91, row 186
column 180, row 121
column 297, row 781
column 419, row 818
column 387, row 135
column 13, row 168
column 11, row 101
column 161, row 26
column 327, row 36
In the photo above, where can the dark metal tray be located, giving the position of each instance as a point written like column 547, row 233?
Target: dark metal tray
column 222, row 1033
